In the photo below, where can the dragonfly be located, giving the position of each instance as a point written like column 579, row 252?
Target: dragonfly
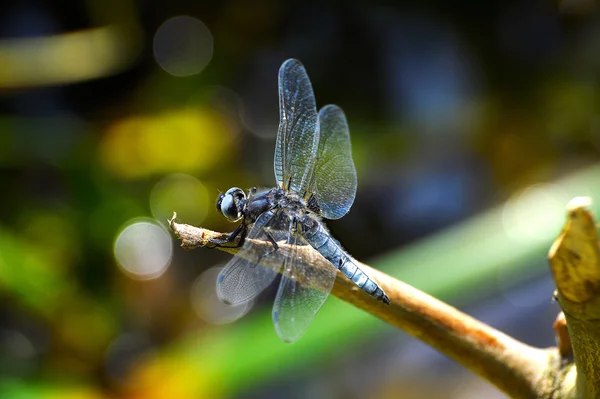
column 316, row 180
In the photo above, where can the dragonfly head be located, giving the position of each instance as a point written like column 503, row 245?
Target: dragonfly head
column 232, row 203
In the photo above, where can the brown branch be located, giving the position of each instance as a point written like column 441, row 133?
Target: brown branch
column 517, row 369
column 575, row 264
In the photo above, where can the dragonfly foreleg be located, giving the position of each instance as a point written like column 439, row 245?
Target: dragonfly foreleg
column 231, row 238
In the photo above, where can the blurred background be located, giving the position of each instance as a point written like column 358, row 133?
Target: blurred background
column 472, row 125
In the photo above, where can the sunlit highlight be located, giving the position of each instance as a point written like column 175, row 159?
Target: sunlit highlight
column 579, row 202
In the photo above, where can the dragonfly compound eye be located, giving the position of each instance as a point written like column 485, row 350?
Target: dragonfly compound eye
column 231, row 204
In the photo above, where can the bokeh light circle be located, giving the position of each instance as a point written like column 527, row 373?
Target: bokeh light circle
column 143, row 250
column 18, row 354
column 183, row 194
column 207, row 304
column 536, row 213
column 183, row 46
column 16, row 345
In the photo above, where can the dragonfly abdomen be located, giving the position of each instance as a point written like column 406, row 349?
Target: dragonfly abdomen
column 331, row 250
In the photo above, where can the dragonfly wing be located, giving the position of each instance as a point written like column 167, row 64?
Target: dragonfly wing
column 297, row 303
column 334, row 180
column 242, row 279
column 298, row 134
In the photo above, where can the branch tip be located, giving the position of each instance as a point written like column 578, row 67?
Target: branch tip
column 575, row 264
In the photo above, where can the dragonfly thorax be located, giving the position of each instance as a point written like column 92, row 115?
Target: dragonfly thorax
column 259, row 202
column 290, row 201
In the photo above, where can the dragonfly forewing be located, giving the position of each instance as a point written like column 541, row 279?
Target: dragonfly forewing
column 298, row 134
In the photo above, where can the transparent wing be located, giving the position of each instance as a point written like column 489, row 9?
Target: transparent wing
column 334, row 179
column 242, row 279
column 297, row 303
column 298, row 134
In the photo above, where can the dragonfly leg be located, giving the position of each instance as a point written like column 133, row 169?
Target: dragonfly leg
column 273, row 242
column 231, row 237
column 272, row 251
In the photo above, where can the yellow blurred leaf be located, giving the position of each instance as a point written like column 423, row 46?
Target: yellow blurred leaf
column 190, row 140
column 172, row 377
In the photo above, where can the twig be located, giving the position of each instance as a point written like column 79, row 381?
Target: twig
column 563, row 341
column 517, row 369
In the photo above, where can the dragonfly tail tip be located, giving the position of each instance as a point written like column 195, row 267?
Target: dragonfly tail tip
column 385, row 299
